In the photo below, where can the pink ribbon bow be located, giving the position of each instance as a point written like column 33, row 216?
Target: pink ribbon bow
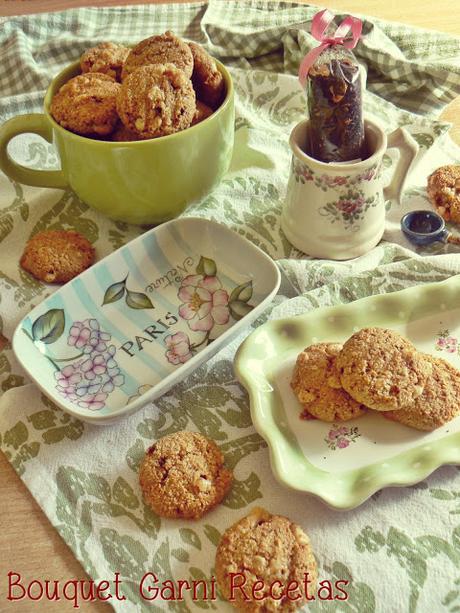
column 319, row 26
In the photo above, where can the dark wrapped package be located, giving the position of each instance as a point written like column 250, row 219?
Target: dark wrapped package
column 334, row 89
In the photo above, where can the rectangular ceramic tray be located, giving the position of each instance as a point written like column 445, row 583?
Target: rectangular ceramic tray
column 124, row 331
column 345, row 463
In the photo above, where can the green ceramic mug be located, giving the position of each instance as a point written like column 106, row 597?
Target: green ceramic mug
column 140, row 182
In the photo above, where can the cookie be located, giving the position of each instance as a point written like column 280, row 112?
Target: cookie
column 271, row 551
column 106, row 58
column 56, row 256
column 156, row 101
column 444, row 191
column 86, row 104
column 332, row 405
column 163, row 49
column 122, row 134
column 381, row 369
column 316, row 383
column 314, row 368
column 183, row 476
column 439, row 401
column 202, row 112
column 207, row 80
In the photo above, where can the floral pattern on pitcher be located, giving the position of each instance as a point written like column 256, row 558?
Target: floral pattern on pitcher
column 303, row 173
column 350, row 208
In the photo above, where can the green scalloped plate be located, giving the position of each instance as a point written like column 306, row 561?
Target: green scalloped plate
column 344, row 464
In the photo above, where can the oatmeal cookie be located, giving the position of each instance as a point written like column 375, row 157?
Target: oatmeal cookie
column 439, row 402
column 269, row 549
column 107, row 58
column 156, row 101
column 202, row 112
column 444, row 191
column 316, row 383
column 332, row 405
column 183, row 476
column 163, row 49
column 122, row 134
column 56, row 256
column 207, row 80
column 86, row 104
column 381, row 369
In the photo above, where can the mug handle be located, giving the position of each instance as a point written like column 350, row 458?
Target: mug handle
column 35, row 123
column 408, row 149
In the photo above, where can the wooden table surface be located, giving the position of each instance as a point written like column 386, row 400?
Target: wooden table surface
column 29, row 544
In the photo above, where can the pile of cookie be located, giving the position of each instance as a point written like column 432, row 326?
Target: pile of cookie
column 161, row 86
column 376, row 369
column 183, row 476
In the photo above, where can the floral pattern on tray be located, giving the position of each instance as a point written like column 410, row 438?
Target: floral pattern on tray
column 205, row 304
column 87, row 377
column 91, row 374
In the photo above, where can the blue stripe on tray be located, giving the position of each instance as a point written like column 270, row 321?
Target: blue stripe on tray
column 136, row 273
column 157, row 256
column 227, row 282
column 81, row 293
column 105, row 278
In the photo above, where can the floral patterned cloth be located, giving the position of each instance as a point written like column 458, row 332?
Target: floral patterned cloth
column 400, row 550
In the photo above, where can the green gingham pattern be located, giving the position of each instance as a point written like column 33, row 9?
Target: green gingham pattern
column 400, row 550
column 416, row 69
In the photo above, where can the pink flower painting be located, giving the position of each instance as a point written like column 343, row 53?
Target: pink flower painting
column 351, row 206
column 333, row 181
column 89, row 375
column 368, row 174
column 88, row 381
column 93, row 402
column 341, row 437
column 205, row 303
column 178, row 348
column 302, row 172
column 446, row 342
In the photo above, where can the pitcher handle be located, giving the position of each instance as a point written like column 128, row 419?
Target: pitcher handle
column 408, row 149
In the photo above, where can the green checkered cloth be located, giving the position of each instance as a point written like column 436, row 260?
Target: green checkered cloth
column 417, row 70
column 85, row 478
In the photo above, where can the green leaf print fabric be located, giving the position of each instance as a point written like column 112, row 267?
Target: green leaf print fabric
column 400, row 551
